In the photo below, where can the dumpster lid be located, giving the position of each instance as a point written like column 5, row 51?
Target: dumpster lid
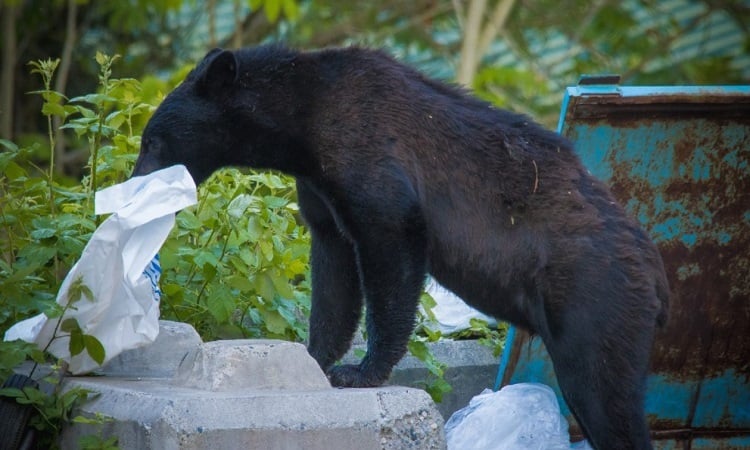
column 601, row 96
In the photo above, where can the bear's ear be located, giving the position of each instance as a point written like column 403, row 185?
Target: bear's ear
column 222, row 70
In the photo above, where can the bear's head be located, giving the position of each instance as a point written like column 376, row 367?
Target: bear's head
column 234, row 108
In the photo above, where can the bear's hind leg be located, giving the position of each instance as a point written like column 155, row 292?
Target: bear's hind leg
column 603, row 380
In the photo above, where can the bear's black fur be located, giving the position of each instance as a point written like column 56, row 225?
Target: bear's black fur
column 399, row 176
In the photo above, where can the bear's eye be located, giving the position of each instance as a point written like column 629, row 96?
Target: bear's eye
column 151, row 145
column 145, row 144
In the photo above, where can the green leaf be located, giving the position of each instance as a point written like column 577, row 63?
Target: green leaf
column 53, row 310
column 78, row 290
column 32, row 396
column 264, row 286
column 174, row 292
column 438, row 388
column 267, row 249
column 273, row 201
column 8, row 145
column 273, row 9
column 275, row 323
column 37, row 254
column 187, row 220
column 205, row 257
column 115, row 119
column 43, row 233
column 96, row 420
column 278, row 244
column 209, row 272
column 11, row 392
column 220, row 304
column 101, row 58
column 70, row 325
column 94, row 99
column 240, row 282
column 281, row 285
column 94, row 348
column 53, row 109
column 291, row 10
column 13, row 171
column 88, row 114
column 76, row 344
column 296, row 267
column 254, row 229
column 238, row 205
column 418, row 349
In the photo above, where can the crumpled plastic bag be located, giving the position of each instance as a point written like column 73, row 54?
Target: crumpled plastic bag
column 451, row 313
column 120, row 269
column 523, row 416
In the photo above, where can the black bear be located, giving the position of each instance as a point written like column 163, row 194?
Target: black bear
column 399, row 176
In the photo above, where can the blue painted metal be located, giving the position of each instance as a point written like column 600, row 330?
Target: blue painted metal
column 678, row 158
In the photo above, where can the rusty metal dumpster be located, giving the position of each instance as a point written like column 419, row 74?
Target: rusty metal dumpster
column 678, row 159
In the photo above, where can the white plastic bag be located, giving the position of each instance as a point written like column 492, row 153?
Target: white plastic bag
column 523, row 416
column 120, row 268
column 451, row 313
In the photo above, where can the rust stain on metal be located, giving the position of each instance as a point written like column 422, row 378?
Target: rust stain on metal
column 700, row 202
column 634, row 111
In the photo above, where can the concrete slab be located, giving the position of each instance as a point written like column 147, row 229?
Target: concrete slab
column 252, row 394
column 250, row 364
column 161, row 358
column 151, row 414
column 470, row 368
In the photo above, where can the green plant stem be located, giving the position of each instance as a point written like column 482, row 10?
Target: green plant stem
column 174, row 311
column 51, row 173
column 221, row 256
column 52, row 208
column 94, row 156
column 9, row 235
column 105, row 72
column 194, row 269
column 54, row 336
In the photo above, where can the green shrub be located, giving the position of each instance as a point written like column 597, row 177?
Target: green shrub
column 235, row 265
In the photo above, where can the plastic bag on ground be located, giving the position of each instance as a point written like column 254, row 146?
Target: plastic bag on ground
column 522, row 416
column 451, row 313
column 116, row 278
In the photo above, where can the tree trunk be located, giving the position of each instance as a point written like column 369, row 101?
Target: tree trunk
column 477, row 35
column 212, row 23
column 469, row 58
column 61, row 81
column 7, row 78
column 238, row 20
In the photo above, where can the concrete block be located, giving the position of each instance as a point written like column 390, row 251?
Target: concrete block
column 471, row 368
column 250, row 363
column 254, row 394
column 152, row 415
column 161, row 358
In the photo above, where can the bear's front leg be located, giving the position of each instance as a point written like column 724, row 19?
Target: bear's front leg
column 336, row 293
column 391, row 254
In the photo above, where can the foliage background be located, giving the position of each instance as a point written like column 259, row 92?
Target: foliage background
column 518, row 53
column 236, row 265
